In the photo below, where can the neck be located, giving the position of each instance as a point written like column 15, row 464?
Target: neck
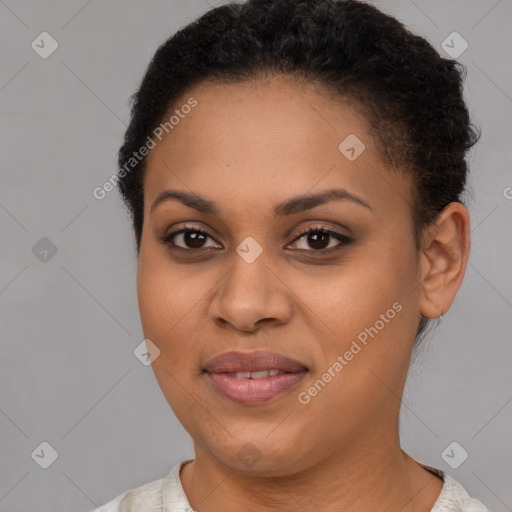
column 376, row 475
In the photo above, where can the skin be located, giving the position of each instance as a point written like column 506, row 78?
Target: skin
column 247, row 147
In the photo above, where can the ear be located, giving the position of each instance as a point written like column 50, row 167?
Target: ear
column 444, row 257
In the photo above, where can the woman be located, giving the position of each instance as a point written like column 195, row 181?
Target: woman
column 294, row 172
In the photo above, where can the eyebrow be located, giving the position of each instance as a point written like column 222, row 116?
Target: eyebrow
column 290, row 206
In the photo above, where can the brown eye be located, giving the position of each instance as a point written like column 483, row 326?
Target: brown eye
column 320, row 240
column 188, row 238
column 194, row 239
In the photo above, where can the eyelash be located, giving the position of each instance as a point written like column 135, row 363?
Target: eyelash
column 314, row 229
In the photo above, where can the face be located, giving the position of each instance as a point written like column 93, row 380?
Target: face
column 277, row 276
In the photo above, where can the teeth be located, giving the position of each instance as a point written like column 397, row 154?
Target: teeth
column 257, row 375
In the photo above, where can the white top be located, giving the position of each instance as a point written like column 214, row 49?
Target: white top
column 167, row 495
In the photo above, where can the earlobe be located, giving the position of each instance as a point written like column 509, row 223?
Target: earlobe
column 444, row 258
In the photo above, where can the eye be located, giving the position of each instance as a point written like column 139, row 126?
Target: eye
column 313, row 239
column 320, row 239
column 189, row 238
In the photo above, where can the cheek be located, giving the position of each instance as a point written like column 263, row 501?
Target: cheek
column 164, row 293
column 163, row 298
column 166, row 306
column 369, row 310
column 365, row 287
column 173, row 305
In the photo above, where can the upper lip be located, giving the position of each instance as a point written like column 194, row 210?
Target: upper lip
column 231, row 362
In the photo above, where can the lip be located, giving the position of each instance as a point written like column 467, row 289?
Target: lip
column 222, row 370
column 234, row 361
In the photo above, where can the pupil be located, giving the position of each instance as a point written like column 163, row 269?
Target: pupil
column 318, row 240
column 194, row 239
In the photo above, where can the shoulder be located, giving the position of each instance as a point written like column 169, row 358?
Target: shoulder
column 147, row 497
column 455, row 498
column 161, row 495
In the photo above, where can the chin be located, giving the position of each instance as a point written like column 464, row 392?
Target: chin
column 261, row 457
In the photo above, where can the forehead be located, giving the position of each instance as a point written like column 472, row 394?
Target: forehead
column 266, row 139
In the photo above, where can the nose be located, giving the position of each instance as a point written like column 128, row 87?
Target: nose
column 250, row 295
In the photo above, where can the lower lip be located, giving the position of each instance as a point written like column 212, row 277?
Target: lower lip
column 252, row 391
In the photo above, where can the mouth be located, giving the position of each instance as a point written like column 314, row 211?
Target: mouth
column 253, row 377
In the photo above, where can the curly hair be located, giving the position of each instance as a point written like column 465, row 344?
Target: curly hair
column 410, row 97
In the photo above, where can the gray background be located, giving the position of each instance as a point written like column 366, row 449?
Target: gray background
column 70, row 324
